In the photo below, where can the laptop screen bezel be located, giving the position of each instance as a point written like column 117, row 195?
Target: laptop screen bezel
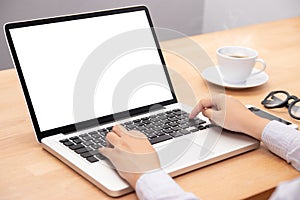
column 101, row 120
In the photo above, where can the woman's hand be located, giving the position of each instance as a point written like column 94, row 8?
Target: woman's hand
column 231, row 114
column 131, row 153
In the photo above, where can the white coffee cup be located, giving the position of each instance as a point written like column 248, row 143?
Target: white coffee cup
column 236, row 63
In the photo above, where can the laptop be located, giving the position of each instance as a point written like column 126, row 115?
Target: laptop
column 82, row 74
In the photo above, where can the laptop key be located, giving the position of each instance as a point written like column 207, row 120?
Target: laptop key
column 159, row 133
column 148, row 131
column 201, row 121
column 100, row 157
column 82, row 150
column 103, row 131
column 94, row 152
column 86, row 154
column 196, row 122
column 130, row 127
column 152, row 116
column 162, row 117
column 83, row 135
column 92, row 159
column 109, row 128
column 173, row 124
column 95, row 135
column 93, row 132
column 173, row 119
column 201, row 127
column 194, row 130
column 128, row 123
column 150, row 126
column 87, row 138
column 211, row 126
column 68, row 143
column 166, row 127
column 176, row 128
column 170, row 115
column 63, row 141
column 141, row 128
column 102, row 143
column 97, row 140
column 76, row 146
column 137, row 120
column 176, row 134
column 157, row 128
column 160, row 139
column 151, row 136
column 154, row 119
column 184, row 126
column 139, row 124
column 74, row 138
column 96, row 146
column 167, row 131
column 88, row 143
column 77, row 141
column 183, row 131
column 146, row 122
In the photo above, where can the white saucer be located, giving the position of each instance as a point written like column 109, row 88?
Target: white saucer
column 212, row 75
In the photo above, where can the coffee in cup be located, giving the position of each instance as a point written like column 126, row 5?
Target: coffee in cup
column 236, row 63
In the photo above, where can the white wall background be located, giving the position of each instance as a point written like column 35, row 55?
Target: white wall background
column 189, row 16
column 226, row 14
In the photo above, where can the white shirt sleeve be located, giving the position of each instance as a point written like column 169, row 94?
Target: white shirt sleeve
column 285, row 142
column 158, row 185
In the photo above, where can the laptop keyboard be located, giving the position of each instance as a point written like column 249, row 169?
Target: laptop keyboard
column 159, row 127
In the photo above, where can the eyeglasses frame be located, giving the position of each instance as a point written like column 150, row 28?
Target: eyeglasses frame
column 284, row 103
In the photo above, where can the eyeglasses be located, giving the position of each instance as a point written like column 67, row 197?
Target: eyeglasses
column 279, row 99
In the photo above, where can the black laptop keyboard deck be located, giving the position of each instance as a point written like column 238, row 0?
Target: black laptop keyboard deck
column 157, row 127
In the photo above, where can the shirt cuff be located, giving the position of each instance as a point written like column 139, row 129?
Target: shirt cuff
column 277, row 137
column 159, row 185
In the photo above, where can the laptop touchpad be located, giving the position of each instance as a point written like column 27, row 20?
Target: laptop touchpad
column 181, row 152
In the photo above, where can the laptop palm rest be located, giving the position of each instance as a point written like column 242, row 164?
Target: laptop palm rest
column 203, row 148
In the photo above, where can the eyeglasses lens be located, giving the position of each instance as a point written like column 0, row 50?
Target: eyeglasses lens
column 276, row 99
column 295, row 110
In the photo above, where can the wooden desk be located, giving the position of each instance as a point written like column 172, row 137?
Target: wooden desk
column 29, row 172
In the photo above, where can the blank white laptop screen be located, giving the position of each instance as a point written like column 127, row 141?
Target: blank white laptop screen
column 51, row 56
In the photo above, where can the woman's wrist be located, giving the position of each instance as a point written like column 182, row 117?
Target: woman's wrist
column 132, row 179
column 253, row 125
